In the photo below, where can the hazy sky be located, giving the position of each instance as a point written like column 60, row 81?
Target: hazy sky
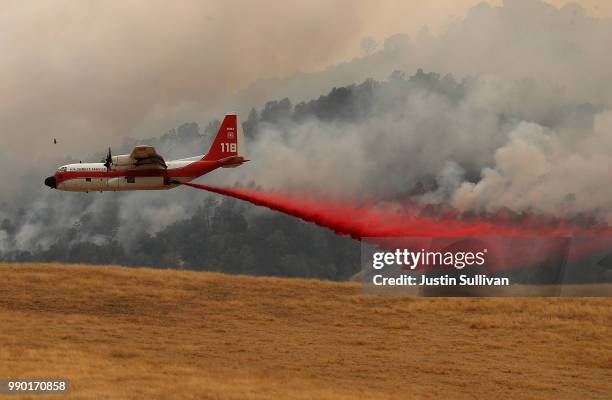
column 392, row 16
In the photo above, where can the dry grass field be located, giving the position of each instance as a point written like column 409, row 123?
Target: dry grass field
column 158, row 334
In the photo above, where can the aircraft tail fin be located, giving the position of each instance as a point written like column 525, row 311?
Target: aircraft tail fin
column 227, row 145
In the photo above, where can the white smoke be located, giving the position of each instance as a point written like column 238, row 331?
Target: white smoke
column 538, row 170
column 487, row 152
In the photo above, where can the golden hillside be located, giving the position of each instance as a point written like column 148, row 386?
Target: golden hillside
column 143, row 333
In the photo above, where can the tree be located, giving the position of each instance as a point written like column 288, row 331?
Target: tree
column 368, row 44
column 275, row 111
column 250, row 125
column 397, row 42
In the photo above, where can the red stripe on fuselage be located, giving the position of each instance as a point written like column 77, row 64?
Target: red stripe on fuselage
column 193, row 170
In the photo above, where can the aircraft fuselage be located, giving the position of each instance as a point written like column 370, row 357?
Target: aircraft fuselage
column 94, row 177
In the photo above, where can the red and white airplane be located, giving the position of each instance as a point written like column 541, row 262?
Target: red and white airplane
column 144, row 169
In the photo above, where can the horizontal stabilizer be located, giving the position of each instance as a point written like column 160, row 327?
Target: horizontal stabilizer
column 232, row 162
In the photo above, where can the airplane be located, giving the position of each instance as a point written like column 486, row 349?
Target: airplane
column 144, row 169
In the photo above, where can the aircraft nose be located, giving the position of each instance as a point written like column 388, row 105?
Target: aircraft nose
column 50, row 181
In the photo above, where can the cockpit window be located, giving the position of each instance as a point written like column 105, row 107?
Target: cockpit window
column 61, row 169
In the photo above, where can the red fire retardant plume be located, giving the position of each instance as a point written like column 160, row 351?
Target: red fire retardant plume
column 394, row 221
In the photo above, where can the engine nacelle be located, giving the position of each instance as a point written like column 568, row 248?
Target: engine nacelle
column 123, row 160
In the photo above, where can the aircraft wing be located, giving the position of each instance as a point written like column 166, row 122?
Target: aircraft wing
column 146, row 157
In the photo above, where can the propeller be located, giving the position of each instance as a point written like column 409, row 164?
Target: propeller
column 109, row 160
